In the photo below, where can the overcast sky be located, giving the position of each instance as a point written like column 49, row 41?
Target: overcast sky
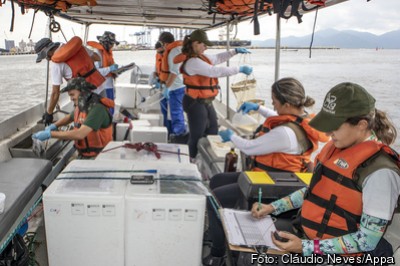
column 376, row 16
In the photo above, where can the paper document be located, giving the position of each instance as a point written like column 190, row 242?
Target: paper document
column 244, row 230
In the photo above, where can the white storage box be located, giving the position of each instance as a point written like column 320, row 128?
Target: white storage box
column 164, row 226
column 154, row 119
column 84, row 218
column 176, row 153
column 149, row 134
column 121, row 128
column 219, row 148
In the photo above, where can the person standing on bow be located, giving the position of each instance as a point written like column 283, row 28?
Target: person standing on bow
column 173, row 89
column 200, row 75
column 67, row 61
column 92, row 122
column 355, row 186
column 106, row 64
column 284, row 143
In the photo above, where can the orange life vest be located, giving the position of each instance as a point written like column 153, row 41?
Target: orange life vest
column 333, row 203
column 240, row 7
column 198, row 86
column 107, row 56
column 289, row 162
column 95, row 141
column 77, row 58
column 158, row 63
column 164, row 70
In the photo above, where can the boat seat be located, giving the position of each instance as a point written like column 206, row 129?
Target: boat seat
column 20, row 178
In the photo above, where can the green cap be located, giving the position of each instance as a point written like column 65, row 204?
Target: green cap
column 78, row 83
column 200, row 36
column 344, row 101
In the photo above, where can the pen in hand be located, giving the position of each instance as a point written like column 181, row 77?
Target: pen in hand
column 259, row 198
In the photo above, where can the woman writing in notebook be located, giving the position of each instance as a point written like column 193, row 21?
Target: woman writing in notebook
column 355, row 185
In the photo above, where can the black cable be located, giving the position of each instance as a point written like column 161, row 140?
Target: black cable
column 313, row 31
column 33, row 21
column 12, row 16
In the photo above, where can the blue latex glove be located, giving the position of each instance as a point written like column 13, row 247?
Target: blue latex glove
column 165, row 93
column 242, row 50
column 225, row 135
column 52, row 127
column 113, row 67
column 42, row 135
column 157, row 84
column 246, row 70
column 248, row 106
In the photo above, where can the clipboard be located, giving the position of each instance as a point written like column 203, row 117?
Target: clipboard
column 244, row 248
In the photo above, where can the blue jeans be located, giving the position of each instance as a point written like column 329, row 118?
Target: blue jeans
column 177, row 123
column 110, row 95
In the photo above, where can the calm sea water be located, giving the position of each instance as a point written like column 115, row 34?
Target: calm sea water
column 23, row 81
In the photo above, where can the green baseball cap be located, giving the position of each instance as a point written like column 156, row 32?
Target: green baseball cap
column 344, row 101
column 78, row 83
column 200, row 36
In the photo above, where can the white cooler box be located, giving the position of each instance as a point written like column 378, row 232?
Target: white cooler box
column 154, row 119
column 84, row 218
column 123, row 127
column 149, row 134
column 174, row 153
column 164, row 224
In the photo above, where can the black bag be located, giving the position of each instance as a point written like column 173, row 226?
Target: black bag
column 16, row 253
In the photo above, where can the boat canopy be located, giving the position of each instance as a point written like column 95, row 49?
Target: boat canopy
column 186, row 14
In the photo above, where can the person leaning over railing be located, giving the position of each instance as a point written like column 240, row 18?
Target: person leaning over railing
column 200, row 75
column 355, row 185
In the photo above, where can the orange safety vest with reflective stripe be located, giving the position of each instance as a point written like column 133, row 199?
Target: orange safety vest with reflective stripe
column 198, row 86
column 164, row 70
column 95, row 141
column 107, row 56
column 76, row 57
column 289, row 162
column 333, row 203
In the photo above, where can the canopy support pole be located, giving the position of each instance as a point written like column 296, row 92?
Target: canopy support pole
column 228, row 46
column 277, row 46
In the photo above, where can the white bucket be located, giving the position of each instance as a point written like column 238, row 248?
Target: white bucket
column 2, row 202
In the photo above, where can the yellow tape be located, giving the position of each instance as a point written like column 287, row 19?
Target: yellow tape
column 259, row 178
column 305, row 177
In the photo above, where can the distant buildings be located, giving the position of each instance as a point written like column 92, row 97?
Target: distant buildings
column 10, row 44
column 22, row 48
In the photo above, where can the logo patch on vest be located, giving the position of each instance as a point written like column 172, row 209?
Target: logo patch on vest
column 341, row 163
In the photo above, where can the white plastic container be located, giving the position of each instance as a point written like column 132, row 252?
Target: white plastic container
column 244, row 122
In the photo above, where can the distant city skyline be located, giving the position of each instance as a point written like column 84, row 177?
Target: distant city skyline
column 375, row 16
